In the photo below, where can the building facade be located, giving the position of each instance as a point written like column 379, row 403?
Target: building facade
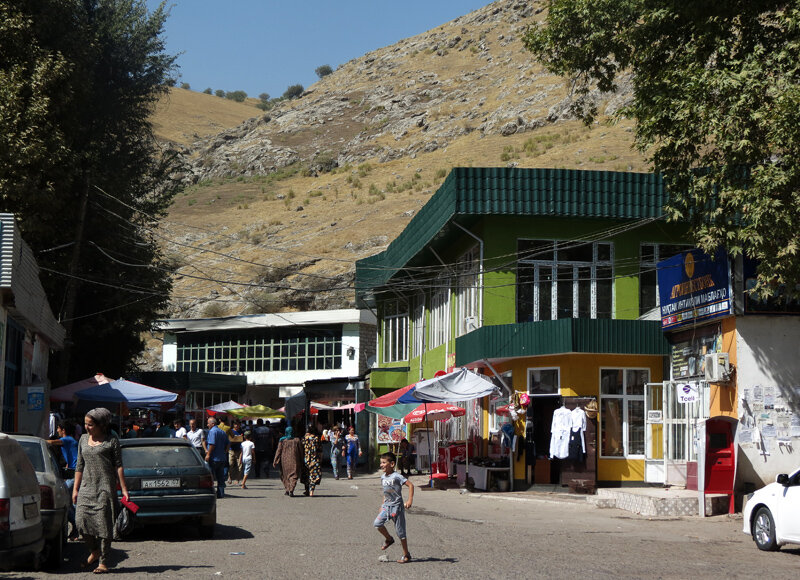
column 544, row 280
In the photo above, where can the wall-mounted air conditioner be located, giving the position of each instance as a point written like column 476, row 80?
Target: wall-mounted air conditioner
column 718, row 368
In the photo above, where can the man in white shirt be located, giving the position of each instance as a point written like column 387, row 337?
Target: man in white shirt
column 180, row 430
column 196, row 436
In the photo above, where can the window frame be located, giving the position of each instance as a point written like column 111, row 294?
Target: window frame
column 558, row 381
column 625, row 398
column 467, row 292
column 394, row 328
column 440, row 314
column 418, row 326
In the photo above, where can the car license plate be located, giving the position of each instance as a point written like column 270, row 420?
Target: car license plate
column 29, row 510
column 159, row 483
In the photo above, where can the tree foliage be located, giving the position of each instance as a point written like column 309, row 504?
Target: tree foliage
column 323, row 71
column 293, row 91
column 238, row 96
column 81, row 169
column 716, row 99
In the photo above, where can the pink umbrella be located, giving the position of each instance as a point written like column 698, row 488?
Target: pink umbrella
column 67, row 392
column 434, row 412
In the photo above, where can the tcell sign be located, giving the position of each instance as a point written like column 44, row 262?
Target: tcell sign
column 687, row 393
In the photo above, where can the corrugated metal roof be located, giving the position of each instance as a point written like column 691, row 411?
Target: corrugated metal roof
column 521, row 192
column 567, row 335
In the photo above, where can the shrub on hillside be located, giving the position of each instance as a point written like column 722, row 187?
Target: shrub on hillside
column 293, row 91
column 220, row 93
column 323, row 71
column 263, row 97
column 208, row 91
column 238, row 96
column 186, row 86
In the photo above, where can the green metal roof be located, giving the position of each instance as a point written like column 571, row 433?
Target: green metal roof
column 567, row 335
column 521, row 192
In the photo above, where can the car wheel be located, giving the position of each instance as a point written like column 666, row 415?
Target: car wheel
column 764, row 530
column 54, row 551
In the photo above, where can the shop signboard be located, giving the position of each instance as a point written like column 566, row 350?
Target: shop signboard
column 390, row 430
column 694, row 287
column 687, row 393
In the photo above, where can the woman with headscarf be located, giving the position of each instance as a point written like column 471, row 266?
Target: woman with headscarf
column 97, row 470
column 289, row 456
column 312, row 449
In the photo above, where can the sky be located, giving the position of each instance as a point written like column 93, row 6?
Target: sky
column 263, row 46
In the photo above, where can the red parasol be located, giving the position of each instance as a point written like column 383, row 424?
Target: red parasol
column 434, row 412
column 390, row 399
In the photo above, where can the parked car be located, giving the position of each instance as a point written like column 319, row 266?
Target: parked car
column 772, row 514
column 54, row 495
column 170, row 482
column 21, row 537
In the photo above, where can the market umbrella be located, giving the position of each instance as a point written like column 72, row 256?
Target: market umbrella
column 223, row 407
column 434, row 412
column 256, row 411
column 123, row 391
column 66, row 393
column 390, row 399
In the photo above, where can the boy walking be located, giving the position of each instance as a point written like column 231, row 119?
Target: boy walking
column 392, row 507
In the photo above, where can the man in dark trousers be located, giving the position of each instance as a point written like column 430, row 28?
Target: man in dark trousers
column 264, row 451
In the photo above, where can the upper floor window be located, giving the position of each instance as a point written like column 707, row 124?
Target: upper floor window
column 440, row 313
column 467, row 300
column 418, row 326
column 395, row 331
column 563, row 279
column 649, row 256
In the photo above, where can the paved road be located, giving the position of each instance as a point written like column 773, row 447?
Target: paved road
column 451, row 535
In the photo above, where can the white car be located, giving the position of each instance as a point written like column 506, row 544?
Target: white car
column 772, row 514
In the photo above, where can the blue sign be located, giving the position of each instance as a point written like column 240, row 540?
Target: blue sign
column 693, row 287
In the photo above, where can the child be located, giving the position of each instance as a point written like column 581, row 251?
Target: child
column 392, row 506
column 248, row 453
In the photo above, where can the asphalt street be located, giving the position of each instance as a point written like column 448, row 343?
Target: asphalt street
column 261, row 533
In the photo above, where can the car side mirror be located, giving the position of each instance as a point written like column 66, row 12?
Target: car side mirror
column 783, row 479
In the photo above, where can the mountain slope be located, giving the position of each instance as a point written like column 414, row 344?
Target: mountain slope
column 282, row 205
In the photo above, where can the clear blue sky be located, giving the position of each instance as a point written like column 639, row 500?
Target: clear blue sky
column 265, row 45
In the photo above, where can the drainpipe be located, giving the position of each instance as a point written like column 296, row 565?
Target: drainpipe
column 480, row 269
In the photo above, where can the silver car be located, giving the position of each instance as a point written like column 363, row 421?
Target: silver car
column 55, row 497
column 772, row 514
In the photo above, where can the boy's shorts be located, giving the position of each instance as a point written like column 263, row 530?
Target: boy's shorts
column 395, row 513
column 247, row 464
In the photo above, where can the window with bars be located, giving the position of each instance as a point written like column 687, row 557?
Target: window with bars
column 440, row 313
column 622, row 412
column 467, row 302
column 418, row 326
column 649, row 256
column 564, row 279
column 297, row 349
column 395, row 331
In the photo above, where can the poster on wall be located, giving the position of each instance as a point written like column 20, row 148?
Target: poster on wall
column 390, row 430
column 693, row 287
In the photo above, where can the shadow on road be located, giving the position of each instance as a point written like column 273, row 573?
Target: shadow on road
column 153, row 569
column 186, row 533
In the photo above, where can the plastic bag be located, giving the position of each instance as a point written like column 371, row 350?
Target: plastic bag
column 126, row 519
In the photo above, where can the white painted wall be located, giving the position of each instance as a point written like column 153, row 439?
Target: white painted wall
column 768, row 357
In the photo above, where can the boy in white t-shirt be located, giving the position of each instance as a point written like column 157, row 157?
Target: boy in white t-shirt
column 248, row 455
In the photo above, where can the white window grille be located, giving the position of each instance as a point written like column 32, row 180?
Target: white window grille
column 622, row 412
column 395, row 331
column 467, row 294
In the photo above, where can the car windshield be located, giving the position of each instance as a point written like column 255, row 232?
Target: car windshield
column 160, row 456
column 34, row 452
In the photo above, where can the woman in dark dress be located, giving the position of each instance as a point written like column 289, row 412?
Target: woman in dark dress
column 97, row 470
column 289, row 456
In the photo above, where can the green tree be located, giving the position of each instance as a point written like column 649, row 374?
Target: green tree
column 716, row 99
column 186, row 86
column 263, row 97
column 220, row 93
column 207, row 91
column 238, row 96
column 323, row 71
column 293, row 92
column 81, row 169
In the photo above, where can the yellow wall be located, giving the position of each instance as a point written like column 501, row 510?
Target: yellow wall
column 723, row 396
column 580, row 377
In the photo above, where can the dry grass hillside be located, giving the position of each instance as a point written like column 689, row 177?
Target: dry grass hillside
column 279, row 207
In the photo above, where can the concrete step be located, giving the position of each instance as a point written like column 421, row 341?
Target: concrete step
column 658, row 501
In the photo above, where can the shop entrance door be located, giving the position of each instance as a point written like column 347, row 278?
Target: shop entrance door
column 680, row 429
column 654, row 468
column 582, row 474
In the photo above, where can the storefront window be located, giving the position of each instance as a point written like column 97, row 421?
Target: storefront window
column 622, row 412
column 543, row 381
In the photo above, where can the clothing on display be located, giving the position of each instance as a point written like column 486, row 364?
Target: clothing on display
column 559, row 433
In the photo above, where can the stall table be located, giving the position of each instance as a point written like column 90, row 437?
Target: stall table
column 481, row 475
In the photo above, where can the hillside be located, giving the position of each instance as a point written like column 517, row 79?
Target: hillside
column 280, row 206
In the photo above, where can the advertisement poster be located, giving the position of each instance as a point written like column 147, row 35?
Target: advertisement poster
column 390, row 430
column 693, row 287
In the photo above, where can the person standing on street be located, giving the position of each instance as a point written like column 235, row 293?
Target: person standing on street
column 337, row 446
column 263, row 447
column 69, row 450
column 196, row 437
column 98, row 469
column 289, row 456
column 352, row 451
column 180, row 430
column 392, row 507
column 217, row 454
column 312, row 453
column 235, row 454
column 248, row 456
